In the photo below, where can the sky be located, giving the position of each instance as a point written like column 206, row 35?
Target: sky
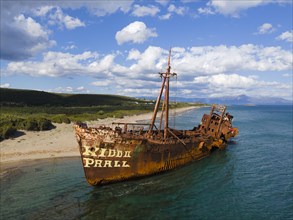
column 219, row 48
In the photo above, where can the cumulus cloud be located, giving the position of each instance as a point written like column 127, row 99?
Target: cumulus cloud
column 265, row 28
column 233, row 8
column 102, row 8
column 226, row 81
column 163, row 2
column 208, row 70
column 34, row 38
column 208, row 60
column 18, row 18
column 69, row 89
column 102, row 83
column 206, row 11
column 42, row 10
column 141, row 11
column 136, row 32
column 153, row 58
column 70, row 47
column 177, row 10
column 172, row 9
column 220, row 59
column 56, row 64
column 133, row 54
column 286, row 36
column 63, row 20
column 233, row 85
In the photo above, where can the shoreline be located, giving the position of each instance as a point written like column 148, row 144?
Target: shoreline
column 58, row 142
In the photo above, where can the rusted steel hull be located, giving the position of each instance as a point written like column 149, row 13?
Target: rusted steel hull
column 108, row 155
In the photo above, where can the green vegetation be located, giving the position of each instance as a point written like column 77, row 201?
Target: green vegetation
column 37, row 110
column 9, row 124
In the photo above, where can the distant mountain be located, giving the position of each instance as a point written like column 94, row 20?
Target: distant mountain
column 237, row 100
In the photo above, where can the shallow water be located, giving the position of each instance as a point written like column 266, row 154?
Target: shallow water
column 251, row 179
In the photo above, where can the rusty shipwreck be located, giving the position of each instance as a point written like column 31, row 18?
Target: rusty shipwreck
column 128, row 151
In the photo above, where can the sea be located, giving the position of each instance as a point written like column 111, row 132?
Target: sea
column 251, row 179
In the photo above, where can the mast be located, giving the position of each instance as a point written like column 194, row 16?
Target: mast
column 165, row 85
column 166, row 97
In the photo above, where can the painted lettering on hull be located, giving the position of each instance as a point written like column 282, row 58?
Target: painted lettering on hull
column 119, row 157
column 90, row 162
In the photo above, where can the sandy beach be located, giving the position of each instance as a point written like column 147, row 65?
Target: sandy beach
column 58, row 142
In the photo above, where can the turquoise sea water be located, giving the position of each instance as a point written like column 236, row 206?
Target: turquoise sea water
column 251, row 179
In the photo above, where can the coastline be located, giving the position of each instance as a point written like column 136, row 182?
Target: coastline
column 58, row 142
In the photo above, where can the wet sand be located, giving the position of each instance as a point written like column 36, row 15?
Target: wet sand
column 58, row 142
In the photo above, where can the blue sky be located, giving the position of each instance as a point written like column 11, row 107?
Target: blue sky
column 219, row 48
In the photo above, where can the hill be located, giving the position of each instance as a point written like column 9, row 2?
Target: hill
column 37, row 110
column 19, row 97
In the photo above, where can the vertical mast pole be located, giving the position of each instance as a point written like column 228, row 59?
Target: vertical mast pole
column 165, row 85
column 167, row 76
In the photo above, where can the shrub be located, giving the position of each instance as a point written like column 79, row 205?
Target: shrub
column 61, row 118
column 31, row 125
column 6, row 131
column 44, row 124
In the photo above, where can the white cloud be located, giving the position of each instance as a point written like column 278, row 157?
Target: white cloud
column 165, row 16
column 208, row 60
column 288, row 75
column 69, row 89
column 30, row 26
column 177, row 10
column 226, row 81
column 265, row 28
column 141, row 11
column 63, row 20
column 233, row 85
column 136, row 32
column 163, row 2
column 206, row 10
column 102, row 8
column 206, row 70
column 102, row 83
column 15, row 22
column 42, row 11
column 133, row 55
column 221, row 59
column 186, row 91
column 233, row 8
column 34, row 38
column 70, row 47
column 151, row 59
column 5, row 85
column 172, row 9
column 286, row 36
column 56, row 64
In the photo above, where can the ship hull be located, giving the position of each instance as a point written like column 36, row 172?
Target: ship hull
column 109, row 156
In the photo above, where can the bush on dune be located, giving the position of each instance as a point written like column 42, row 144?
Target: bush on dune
column 9, row 125
column 6, row 132
column 61, row 118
